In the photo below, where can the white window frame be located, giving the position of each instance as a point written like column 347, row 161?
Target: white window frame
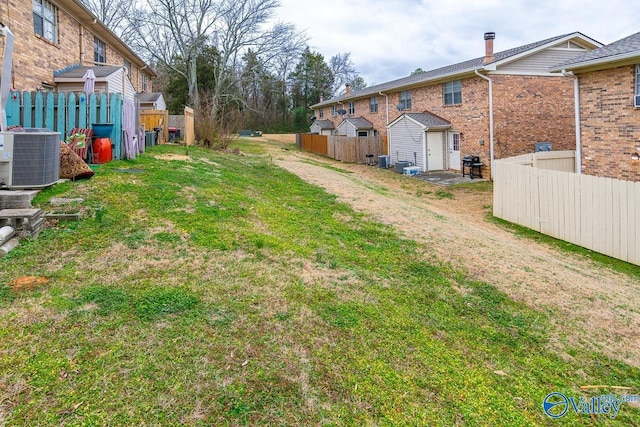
column 636, row 98
column 320, row 112
column 99, row 50
column 47, row 14
column 405, row 99
column 334, row 110
column 352, row 107
column 452, row 89
column 373, row 104
column 144, row 82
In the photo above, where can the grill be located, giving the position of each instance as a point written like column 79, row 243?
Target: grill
column 472, row 166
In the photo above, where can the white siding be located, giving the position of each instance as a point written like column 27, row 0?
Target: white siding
column 406, row 143
column 542, row 61
column 351, row 130
column 115, row 83
column 160, row 104
column 342, row 129
column 130, row 92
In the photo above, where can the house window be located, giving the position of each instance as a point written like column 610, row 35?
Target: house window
column 99, row 51
column 453, row 92
column 637, row 98
column 363, row 133
column 455, row 141
column 45, row 20
column 144, row 82
column 373, row 104
column 352, row 107
column 405, row 100
column 127, row 65
column 321, row 112
column 334, row 110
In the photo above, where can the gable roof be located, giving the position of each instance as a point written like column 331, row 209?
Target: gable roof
column 148, row 97
column 77, row 72
column 613, row 54
column 426, row 119
column 358, row 122
column 461, row 68
column 323, row 124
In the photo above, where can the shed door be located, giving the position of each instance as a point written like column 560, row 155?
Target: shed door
column 454, row 150
column 435, row 151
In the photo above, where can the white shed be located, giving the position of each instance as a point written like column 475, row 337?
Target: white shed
column 419, row 138
column 355, row 126
column 151, row 101
column 322, row 127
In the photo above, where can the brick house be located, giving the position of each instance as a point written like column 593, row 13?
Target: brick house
column 498, row 105
column 55, row 35
column 608, row 79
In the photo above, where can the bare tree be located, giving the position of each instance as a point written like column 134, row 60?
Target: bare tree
column 343, row 71
column 114, row 14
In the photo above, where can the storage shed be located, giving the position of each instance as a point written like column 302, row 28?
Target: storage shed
column 151, row 101
column 355, row 126
column 419, row 138
column 322, row 127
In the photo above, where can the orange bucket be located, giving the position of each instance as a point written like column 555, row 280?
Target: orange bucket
column 102, row 150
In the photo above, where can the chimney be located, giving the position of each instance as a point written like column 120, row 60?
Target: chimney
column 347, row 89
column 321, row 98
column 488, row 47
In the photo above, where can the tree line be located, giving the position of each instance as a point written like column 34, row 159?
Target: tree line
column 229, row 60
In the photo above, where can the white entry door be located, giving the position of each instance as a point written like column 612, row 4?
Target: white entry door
column 435, row 151
column 454, row 150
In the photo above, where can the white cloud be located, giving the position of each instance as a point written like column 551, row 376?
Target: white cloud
column 389, row 39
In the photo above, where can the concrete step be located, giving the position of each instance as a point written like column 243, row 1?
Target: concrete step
column 16, row 199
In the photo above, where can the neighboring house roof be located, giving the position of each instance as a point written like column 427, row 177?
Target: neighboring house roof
column 358, row 122
column 626, row 49
column 461, row 68
column 148, row 97
column 77, row 72
column 324, row 124
column 426, row 119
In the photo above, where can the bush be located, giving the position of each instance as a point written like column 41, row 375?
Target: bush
column 213, row 126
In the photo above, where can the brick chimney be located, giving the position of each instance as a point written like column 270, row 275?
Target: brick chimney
column 488, row 47
column 347, row 89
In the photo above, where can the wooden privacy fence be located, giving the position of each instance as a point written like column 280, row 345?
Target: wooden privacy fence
column 345, row 148
column 63, row 111
column 189, row 126
column 156, row 119
column 594, row 212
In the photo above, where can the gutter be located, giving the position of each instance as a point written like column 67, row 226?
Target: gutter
column 576, row 101
column 491, row 156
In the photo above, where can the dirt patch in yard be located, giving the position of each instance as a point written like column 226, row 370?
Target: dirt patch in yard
column 591, row 306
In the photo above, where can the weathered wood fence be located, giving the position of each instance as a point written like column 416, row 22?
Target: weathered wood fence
column 189, row 126
column 345, row 148
column 594, row 212
column 156, row 119
column 63, row 111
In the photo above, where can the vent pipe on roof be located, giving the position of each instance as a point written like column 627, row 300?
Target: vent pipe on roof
column 488, row 47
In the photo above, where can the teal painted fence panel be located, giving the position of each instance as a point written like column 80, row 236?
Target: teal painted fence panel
column 103, row 111
column 93, row 108
column 39, row 111
column 27, row 106
column 62, row 112
column 13, row 109
column 61, row 108
column 82, row 111
column 116, row 119
column 49, row 114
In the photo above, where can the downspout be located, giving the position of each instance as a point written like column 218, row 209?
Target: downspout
column 491, row 156
column 387, row 104
column 576, row 100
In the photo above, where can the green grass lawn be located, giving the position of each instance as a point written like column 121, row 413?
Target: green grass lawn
column 222, row 290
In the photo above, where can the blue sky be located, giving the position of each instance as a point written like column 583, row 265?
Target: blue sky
column 389, row 39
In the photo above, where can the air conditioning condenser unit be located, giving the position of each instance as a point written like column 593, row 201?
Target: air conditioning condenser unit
column 29, row 159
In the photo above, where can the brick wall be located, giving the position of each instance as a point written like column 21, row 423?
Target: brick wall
column 530, row 109
column 527, row 109
column 609, row 123
column 35, row 58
